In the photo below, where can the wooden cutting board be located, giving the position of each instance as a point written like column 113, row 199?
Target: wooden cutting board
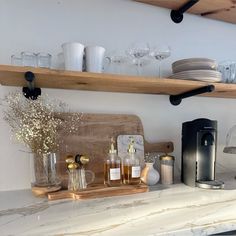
column 93, row 139
column 99, row 192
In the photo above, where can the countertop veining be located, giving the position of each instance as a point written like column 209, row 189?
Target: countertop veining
column 177, row 210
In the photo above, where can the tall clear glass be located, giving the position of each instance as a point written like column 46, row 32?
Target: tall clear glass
column 29, row 59
column 16, row 60
column 44, row 60
column 44, row 170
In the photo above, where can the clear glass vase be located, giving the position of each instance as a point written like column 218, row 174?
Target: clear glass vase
column 44, row 170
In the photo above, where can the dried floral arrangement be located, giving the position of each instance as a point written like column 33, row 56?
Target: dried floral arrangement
column 150, row 157
column 36, row 122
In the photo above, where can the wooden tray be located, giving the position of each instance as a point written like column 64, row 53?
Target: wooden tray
column 93, row 139
column 99, row 192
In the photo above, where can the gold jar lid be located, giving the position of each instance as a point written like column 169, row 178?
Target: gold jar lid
column 82, row 159
column 69, row 159
column 72, row 166
column 167, row 157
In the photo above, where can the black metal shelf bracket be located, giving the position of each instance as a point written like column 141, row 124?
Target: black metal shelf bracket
column 178, row 15
column 177, row 99
column 30, row 91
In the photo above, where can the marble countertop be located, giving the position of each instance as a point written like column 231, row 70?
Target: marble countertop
column 178, row 210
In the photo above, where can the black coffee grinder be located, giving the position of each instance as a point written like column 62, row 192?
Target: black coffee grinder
column 199, row 140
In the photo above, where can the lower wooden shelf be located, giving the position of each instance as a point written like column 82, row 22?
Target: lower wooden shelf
column 60, row 79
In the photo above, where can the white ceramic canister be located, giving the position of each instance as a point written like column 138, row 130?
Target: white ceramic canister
column 73, row 56
column 94, row 57
column 149, row 175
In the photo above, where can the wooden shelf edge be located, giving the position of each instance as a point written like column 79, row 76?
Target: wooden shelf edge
column 60, row 79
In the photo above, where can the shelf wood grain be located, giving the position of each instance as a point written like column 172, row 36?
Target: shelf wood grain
column 224, row 10
column 60, row 79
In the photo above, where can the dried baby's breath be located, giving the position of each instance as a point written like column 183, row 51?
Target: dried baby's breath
column 36, row 122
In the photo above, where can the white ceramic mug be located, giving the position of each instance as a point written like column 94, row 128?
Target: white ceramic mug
column 73, row 56
column 94, row 56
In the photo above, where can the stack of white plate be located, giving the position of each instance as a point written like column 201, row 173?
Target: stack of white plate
column 203, row 69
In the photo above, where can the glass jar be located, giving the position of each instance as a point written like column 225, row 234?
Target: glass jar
column 44, row 170
column 167, row 169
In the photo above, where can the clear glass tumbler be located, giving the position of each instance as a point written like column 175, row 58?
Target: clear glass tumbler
column 44, row 60
column 44, row 171
column 228, row 70
column 16, row 60
column 29, row 59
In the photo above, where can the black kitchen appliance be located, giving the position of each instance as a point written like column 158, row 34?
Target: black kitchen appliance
column 199, row 141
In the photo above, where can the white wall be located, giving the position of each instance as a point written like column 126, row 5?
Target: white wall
column 43, row 25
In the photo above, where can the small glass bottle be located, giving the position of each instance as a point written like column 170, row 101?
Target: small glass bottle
column 131, row 166
column 112, row 168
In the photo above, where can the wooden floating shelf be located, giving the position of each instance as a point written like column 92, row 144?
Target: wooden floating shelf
column 224, row 10
column 60, row 79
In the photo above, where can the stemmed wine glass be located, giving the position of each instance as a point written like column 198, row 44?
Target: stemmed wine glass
column 160, row 52
column 137, row 51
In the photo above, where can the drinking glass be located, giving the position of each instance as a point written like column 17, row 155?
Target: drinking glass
column 29, row 59
column 16, row 60
column 142, row 64
column 44, row 60
column 228, row 70
column 138, row 51
column 116, row 63
column 160, row 52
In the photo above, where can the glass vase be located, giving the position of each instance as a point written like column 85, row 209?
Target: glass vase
column 44, row 170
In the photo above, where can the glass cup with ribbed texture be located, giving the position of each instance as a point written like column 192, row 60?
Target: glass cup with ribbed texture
column 29, row 59
column 44, row 60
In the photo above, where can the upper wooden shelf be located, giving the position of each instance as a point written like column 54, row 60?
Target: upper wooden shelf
column 59, row 79
column 224, row 10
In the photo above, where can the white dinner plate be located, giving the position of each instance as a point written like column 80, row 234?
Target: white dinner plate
column 193, row 60
column 201, row 75
column 198, row 65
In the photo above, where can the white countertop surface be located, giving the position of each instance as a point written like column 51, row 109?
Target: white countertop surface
column 178, row 210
